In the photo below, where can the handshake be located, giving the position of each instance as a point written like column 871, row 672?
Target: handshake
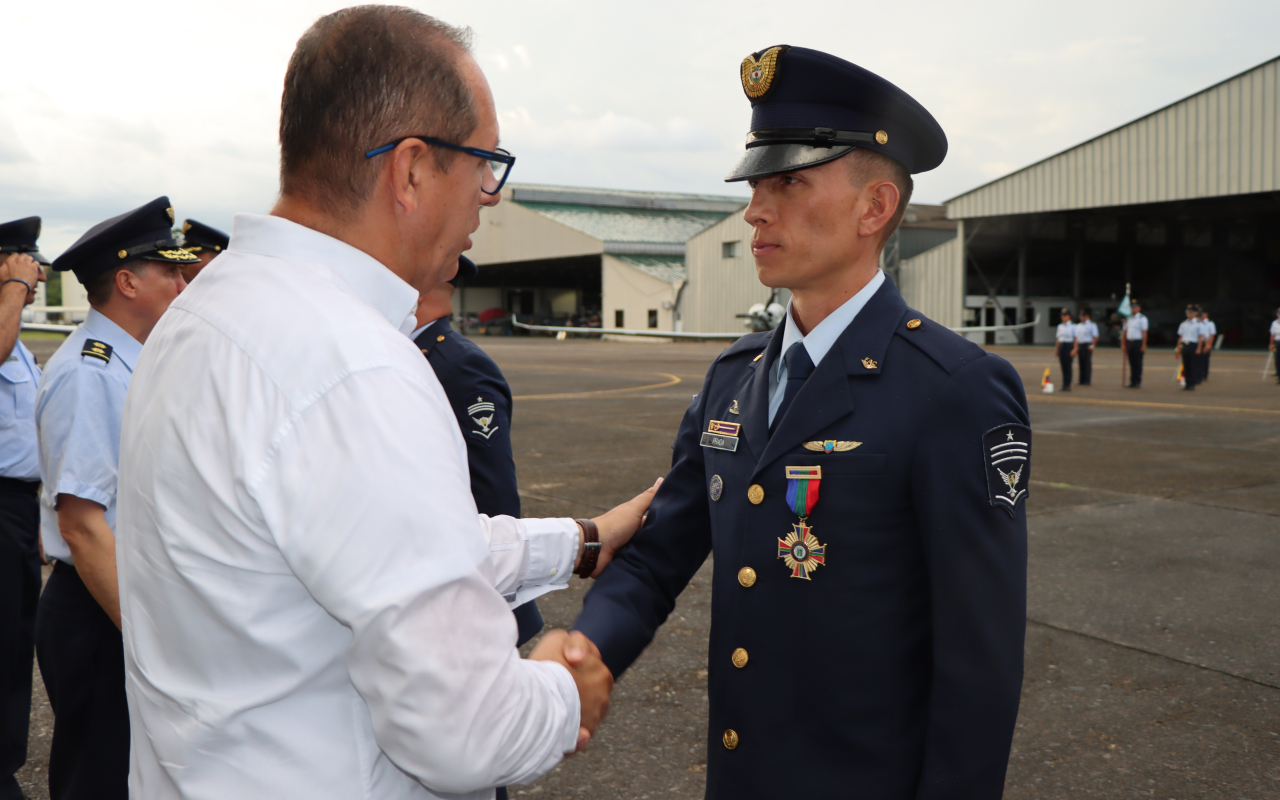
column 576, row 652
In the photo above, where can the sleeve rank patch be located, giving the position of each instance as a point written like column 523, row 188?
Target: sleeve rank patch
column 97, row 349
column 483, row 414
column 1006, row 451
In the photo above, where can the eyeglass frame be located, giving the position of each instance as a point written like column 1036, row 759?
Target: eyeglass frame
column 499, row 155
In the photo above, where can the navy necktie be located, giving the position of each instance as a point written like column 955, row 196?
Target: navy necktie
column 799, row 367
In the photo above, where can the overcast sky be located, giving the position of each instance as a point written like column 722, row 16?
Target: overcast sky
column 104, row 106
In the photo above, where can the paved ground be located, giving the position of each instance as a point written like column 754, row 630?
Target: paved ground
column 1153, row 647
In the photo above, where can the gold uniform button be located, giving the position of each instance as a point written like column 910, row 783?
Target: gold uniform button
column 882, row 137
column 755, row 494
column 913, row 324
column 440, row 338
column 740, row 658
column 730, row 739
column 747, row 577
column 123, row 253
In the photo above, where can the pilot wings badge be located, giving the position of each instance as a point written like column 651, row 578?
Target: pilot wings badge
column 484, row 416
column 1006, row 449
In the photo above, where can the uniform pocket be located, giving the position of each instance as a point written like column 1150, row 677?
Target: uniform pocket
column 853, row 464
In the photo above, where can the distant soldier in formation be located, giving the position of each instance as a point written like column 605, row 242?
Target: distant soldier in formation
column 203, row 240
column 1209, row 337
column 20, row 274
column 1066, row 347
column 131, row 269
column 1274, row 344
column 1086, row 340
column 1135, row 343
column 1188, row 348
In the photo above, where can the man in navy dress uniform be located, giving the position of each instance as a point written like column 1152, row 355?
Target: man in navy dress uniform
column 20, row 275
column 130, row 266
column 481, row 400
column 861, row 474
column 205, row 241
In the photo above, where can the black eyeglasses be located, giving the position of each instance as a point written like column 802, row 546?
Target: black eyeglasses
column 499, row 161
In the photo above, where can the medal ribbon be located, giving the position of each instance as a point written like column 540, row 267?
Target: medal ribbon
column 802, row 489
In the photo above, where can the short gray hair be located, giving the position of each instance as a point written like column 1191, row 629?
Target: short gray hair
column 360, row 78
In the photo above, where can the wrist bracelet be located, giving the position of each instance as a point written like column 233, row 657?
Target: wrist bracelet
column 17, row 280
column 590, row 550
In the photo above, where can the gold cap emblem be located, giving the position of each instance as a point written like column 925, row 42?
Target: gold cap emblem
column 882, row 137
column 869, row 363
column 913, row 324
column 169, row 211
column 123, row 253
column 186, row 226
column 758, row 75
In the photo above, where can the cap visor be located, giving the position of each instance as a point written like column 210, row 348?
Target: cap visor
column 773, row 159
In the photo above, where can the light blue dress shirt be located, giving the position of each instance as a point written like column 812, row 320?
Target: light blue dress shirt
column 820, row 340
column 1086, row 331
column 78, row 412
column 19, row 377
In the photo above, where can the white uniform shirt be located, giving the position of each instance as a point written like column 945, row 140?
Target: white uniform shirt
column 1275, row 330
column 1086, row 331
column 1189, row 331
column 19, row 379
column 1135, row 327
column 312, row 606
column 1066, row 332
column 1209, row 329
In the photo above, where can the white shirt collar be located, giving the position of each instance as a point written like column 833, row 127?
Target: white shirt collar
column 368, row 278
column 824, row 335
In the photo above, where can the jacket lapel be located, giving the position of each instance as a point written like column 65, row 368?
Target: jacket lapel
column 826, row 396
column 753, row 398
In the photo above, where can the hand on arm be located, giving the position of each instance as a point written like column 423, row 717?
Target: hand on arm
column 619, row 524
column 83, row 524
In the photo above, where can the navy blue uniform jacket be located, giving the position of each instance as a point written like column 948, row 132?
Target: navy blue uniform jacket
column 895, row 672
column 481, row 400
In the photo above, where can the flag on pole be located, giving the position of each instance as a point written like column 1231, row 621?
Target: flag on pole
column 1182, row 377
column 1125, row 310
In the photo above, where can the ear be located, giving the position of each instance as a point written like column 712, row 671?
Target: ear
column 127, row 283
column 881, row 204
column 412, row 172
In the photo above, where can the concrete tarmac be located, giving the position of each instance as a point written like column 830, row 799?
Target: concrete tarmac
column 1153, row 641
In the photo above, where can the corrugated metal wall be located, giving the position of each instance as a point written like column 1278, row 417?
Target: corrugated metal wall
column 510, row 232
column 933, row 283
column 627, row 289
column 1221, row 141
column 721, row 287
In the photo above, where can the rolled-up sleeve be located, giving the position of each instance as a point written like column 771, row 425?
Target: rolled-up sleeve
column 418, row 577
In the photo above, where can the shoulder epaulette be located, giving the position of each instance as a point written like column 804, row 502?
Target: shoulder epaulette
column 97, row 349
column 948, row 349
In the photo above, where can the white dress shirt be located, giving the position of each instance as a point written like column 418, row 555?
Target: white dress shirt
column 1275, row 330
column 819, row 340
column 1066, row 332
column 1189, row 331
column 312, row 606
column 1135, row 326
column 1086, row 332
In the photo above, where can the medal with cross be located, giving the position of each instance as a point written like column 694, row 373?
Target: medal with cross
column 800, row 550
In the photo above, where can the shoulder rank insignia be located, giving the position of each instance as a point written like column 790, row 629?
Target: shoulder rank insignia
column 97, row 349
column 1006, row 451
column 483, row 414
column 831, row 446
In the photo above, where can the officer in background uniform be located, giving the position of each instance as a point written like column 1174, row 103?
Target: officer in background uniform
column 1274, row 343
column 1086, row 340
column 1209, row 337
column 867, row 638
column 1135, row 343
column 1065, row 347
column 131, row 268
column 205, row 241
column 481, row 400
column 20, row 274
column 1189, row 348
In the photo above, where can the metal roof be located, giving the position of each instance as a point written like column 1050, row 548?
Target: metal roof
column 631, row 230
column 1223, row 140
column 622, row 198
column 664, row 268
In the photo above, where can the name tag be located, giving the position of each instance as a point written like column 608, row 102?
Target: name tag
column 720, row 442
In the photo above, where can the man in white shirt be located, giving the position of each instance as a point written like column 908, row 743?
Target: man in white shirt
column 1065, row 347
column 1135, row 343
column 1188, row 349
column 312, row 606
column 1086, row 340
column 1209, row 334
column 1274, row 340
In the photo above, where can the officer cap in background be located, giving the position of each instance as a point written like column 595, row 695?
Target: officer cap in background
column 808, row 108
column 466, row 269
column 196, row 236
column 20, row 236
column 144, row 232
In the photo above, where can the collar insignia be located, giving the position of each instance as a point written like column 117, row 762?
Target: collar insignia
column 869, row 363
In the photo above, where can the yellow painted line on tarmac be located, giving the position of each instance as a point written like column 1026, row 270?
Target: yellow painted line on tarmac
column 1140, row 404
column 672, row 380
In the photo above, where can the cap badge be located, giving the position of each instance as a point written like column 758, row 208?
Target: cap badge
column 186, row 226
column 169, row 211
column 758, row 75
